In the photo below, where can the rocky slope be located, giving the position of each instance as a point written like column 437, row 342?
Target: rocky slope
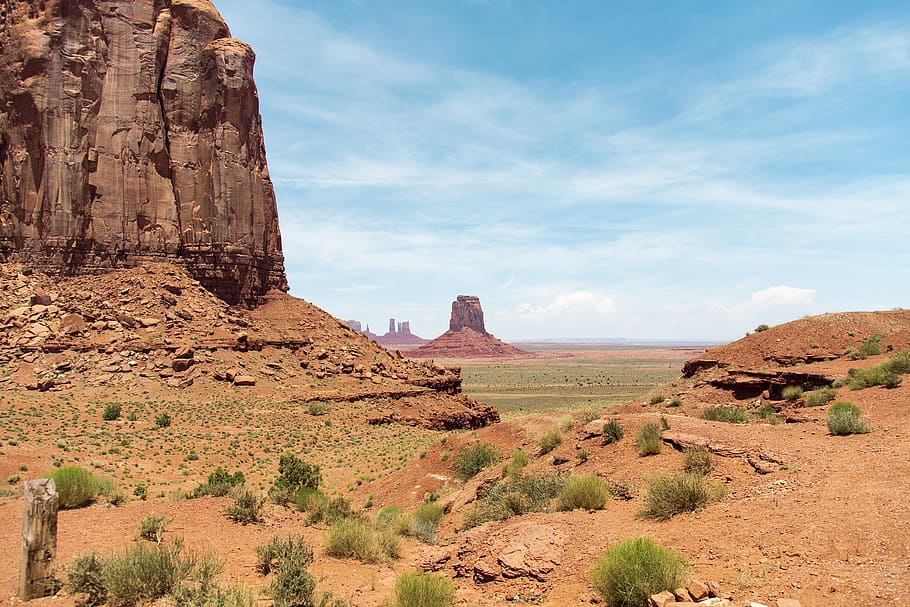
column 130, row 130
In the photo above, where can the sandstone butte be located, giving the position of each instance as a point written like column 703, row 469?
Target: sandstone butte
column 467, row 337
column 130, row 131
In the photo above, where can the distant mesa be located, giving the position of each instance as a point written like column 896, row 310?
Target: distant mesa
column 399, row 334
column 467, row 337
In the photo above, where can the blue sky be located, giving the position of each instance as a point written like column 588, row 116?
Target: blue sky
column 676, row 170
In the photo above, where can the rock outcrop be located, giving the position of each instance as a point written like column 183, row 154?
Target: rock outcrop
column 130, row 131
column 399, row 334
column 466, row 337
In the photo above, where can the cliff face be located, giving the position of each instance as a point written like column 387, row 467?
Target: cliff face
column 466, row 314
column 130, row 130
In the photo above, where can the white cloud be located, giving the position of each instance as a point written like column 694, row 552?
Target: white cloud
column 571, row 305
column 781, row 295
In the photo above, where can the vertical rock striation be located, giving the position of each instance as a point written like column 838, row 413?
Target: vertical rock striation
column 130, row 130
column 466, row 314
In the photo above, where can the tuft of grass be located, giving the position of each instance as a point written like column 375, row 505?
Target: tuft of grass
column 629, row 572
column 697, row 459
column 762, row 328
column 471, row 460
column 246, row 507
column 549, row 441
column 86, row 577
column 676, row 401
column 143, row 574
column 419, row 589
column 673, row 493
column 872, row 346
column 613, row 432
column 648, row 439
column 516, row 465
column 78, row 487
column 821, row 396
column 731, row 414
column 355, row 538
column 792, row 393
column 279, row 552
column 587, row 492
column 846, row 418
column 657, row 399
column 152, row 528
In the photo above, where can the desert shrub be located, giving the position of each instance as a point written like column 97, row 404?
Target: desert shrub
column 279, row 552
column 317, row 408
column 761, row 328
column 78, row 487
column 431, row 512
column 846, row 418
column 295, row 473
column 142, row 573
column 111, row 412
column 673, row 493
column 471, row 460
column 219, row 483
column 664, row 423
column 152, row 528
column 589, row 415
column 281, row 495
column 676, row 401
column 246, row 507
column 355, row 538
column 697, row 459
column 632, row 570
column 516, row 465
column 549, row 441
column 657, row 399
column 820, row 397
column 792, row 393
column 587, row 492
column 887, row 373
column 393, row 518
column 648, row 439
column 731, row 414
column 870, row 347
column 613, row 432
column 163, row 420
column 512, row 497
column 423, row 590
column 328, row 511
column 86, row 576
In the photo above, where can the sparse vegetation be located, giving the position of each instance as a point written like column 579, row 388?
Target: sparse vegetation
column 792, row 393
column 676, row 401
column 246, row 507
column 294, row 473
column 471, row 460
column 648, row 439
column 293, row 586
column 513, row 497
column 516, row 465
column 111, row 412
column 761, row 328
column 163, row 420
column 872, row 346
column 887, row 373
column 846, row 418
column 152, row 528
column 673, row 493
column 423, row 590
column 697, row 459
column 632, row 570
column 613, row 432
column 549, row 441
column 820, row 397
column 587, row 492
column 657, row 399
column 219, row 483
column 78, row 487
column 731, row 414
column 355, row 538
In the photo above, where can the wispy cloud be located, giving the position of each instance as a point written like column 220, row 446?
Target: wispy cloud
column 781, row 295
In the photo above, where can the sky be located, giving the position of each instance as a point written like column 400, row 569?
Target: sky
column 589, row 169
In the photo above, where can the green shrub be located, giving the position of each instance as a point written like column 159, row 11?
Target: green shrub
column 246, row 507
column 657, row 399
column 648, row 439
column 513, row 497
column 163, row 420
column 295, row 473
column 111, row 412
column 887, row 373
column 673, row 493
column 423, row 590
column 792, row 393
column 152, row 528
column 761, row 328
column 731, row 414
column 676, row 401
column 219, row 483
column 280, row 553
column 431, row 512
column 516, row 465
column 870, row 347
column 821, row 396
column 629, row 572
column 549, row 441
column 586, row 492
column 697, row 459
column 86, row 576
column 78, row 487
column 846, row 418
column 613, row 432
column 143, row 574
column 329, row 510
column 354, row 538
column 471, row 460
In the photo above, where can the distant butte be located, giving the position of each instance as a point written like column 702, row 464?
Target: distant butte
column 399, row 334
column 467, row 337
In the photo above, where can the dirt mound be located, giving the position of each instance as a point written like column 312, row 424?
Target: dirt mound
column 466, row 343
column 153, row 328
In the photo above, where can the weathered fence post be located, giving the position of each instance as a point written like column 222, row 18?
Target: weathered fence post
column 39, row 539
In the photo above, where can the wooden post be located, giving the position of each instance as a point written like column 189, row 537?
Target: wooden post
column 39, row 540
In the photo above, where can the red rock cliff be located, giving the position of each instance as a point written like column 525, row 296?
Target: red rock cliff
column 130, row 130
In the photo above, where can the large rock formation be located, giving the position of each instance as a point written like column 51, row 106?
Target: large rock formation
column 130, row 130
column 466, row 337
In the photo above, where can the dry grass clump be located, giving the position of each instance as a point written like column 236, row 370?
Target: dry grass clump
column 471, row 460
column 731, row 414
column 648, row 439
column 356, row 538
column 78, row 487
column 587, row 492
column 846, row 418
column 632, row 570
column 673, row 493
column 423, row 590
column 697, row 459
